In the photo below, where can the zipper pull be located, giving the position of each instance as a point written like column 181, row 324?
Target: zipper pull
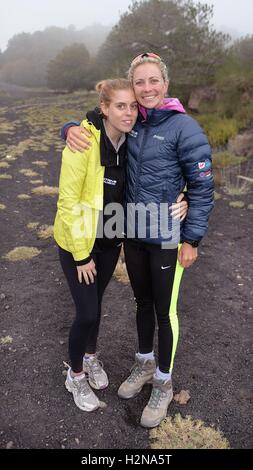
column 117, row 159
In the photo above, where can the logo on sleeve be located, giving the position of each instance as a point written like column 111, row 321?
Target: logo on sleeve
column 204, row 165
column 204, row 174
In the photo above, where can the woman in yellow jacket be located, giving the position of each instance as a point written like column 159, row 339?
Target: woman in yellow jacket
column 89, row 182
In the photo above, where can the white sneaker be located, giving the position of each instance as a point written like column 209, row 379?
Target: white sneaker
column 83, row 396
column 97, row 377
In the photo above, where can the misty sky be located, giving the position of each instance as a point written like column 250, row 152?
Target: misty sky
column 31, row 15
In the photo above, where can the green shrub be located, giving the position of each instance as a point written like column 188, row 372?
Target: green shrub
column 244, row 116
column 218, row 129
column 226, row 159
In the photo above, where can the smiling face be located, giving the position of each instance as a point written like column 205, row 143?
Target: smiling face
column 121, row 112
column 149, row 86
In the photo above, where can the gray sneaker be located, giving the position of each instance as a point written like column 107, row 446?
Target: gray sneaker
column 97, row 377
column 156, row 409
column 141, row 373
column 83, row 396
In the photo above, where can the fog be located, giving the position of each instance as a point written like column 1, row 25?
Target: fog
column 28, row 15
column 231, row 16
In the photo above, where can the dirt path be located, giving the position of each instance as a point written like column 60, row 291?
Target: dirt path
column 214, row 359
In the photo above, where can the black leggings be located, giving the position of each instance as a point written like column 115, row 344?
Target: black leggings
column 84, row 330
column 155, row 277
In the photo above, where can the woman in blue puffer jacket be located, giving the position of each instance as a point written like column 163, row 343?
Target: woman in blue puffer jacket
column 166, row 151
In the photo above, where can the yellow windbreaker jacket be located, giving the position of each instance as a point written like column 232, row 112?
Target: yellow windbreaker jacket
column 80, row 198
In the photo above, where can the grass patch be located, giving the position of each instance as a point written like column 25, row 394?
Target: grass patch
column 41, row 163
column 6, row 340
column 45, row 231
column 237, row 204
column 10, row 158
column 22, row 253
column 4, row 165
column 236, row 189
column 28, row 172
column 24, row 196
column 227, row 169
column 186, row 433
column 46, row 190
column 2, row 207
column 234, row 184
column 6, row 127
column 36, row 181
column 5, row 176
column 250, row 207
column 226, row 159
column 217, row 196
column 18, row 150
column 32, row 225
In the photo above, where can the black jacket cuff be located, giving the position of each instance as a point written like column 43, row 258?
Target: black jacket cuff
column 83, row 261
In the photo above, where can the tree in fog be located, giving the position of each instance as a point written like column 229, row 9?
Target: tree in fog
column 178, row 30
column 69, row 70
column 35, row 51
column 27, row 56
column 234, row 80
column 243, row 50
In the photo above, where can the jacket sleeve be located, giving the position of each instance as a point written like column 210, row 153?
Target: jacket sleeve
column 66, row 126
column 72, row 179
column 196, row 163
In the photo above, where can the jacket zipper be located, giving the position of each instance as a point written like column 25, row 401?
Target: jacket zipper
column 139, row 164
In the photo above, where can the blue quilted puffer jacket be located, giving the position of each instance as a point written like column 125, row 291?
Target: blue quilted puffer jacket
column 166, row 152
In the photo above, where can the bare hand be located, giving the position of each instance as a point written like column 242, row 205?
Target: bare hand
column 180, row 208
column 78, row 139
column 87, row 271
column 187, row 255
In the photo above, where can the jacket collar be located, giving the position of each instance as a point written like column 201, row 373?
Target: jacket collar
column 108, row 155
column 155, row 117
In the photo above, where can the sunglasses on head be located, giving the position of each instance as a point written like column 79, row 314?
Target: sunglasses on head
column 146, row 54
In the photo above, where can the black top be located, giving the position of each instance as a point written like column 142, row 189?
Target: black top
column 114, row 185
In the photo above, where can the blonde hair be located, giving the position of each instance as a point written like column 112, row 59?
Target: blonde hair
column 148, row 59
column 106, row 88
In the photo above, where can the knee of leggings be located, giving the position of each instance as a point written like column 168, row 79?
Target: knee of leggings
column 86, row 321
column 164, row 321
column 144, row 303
